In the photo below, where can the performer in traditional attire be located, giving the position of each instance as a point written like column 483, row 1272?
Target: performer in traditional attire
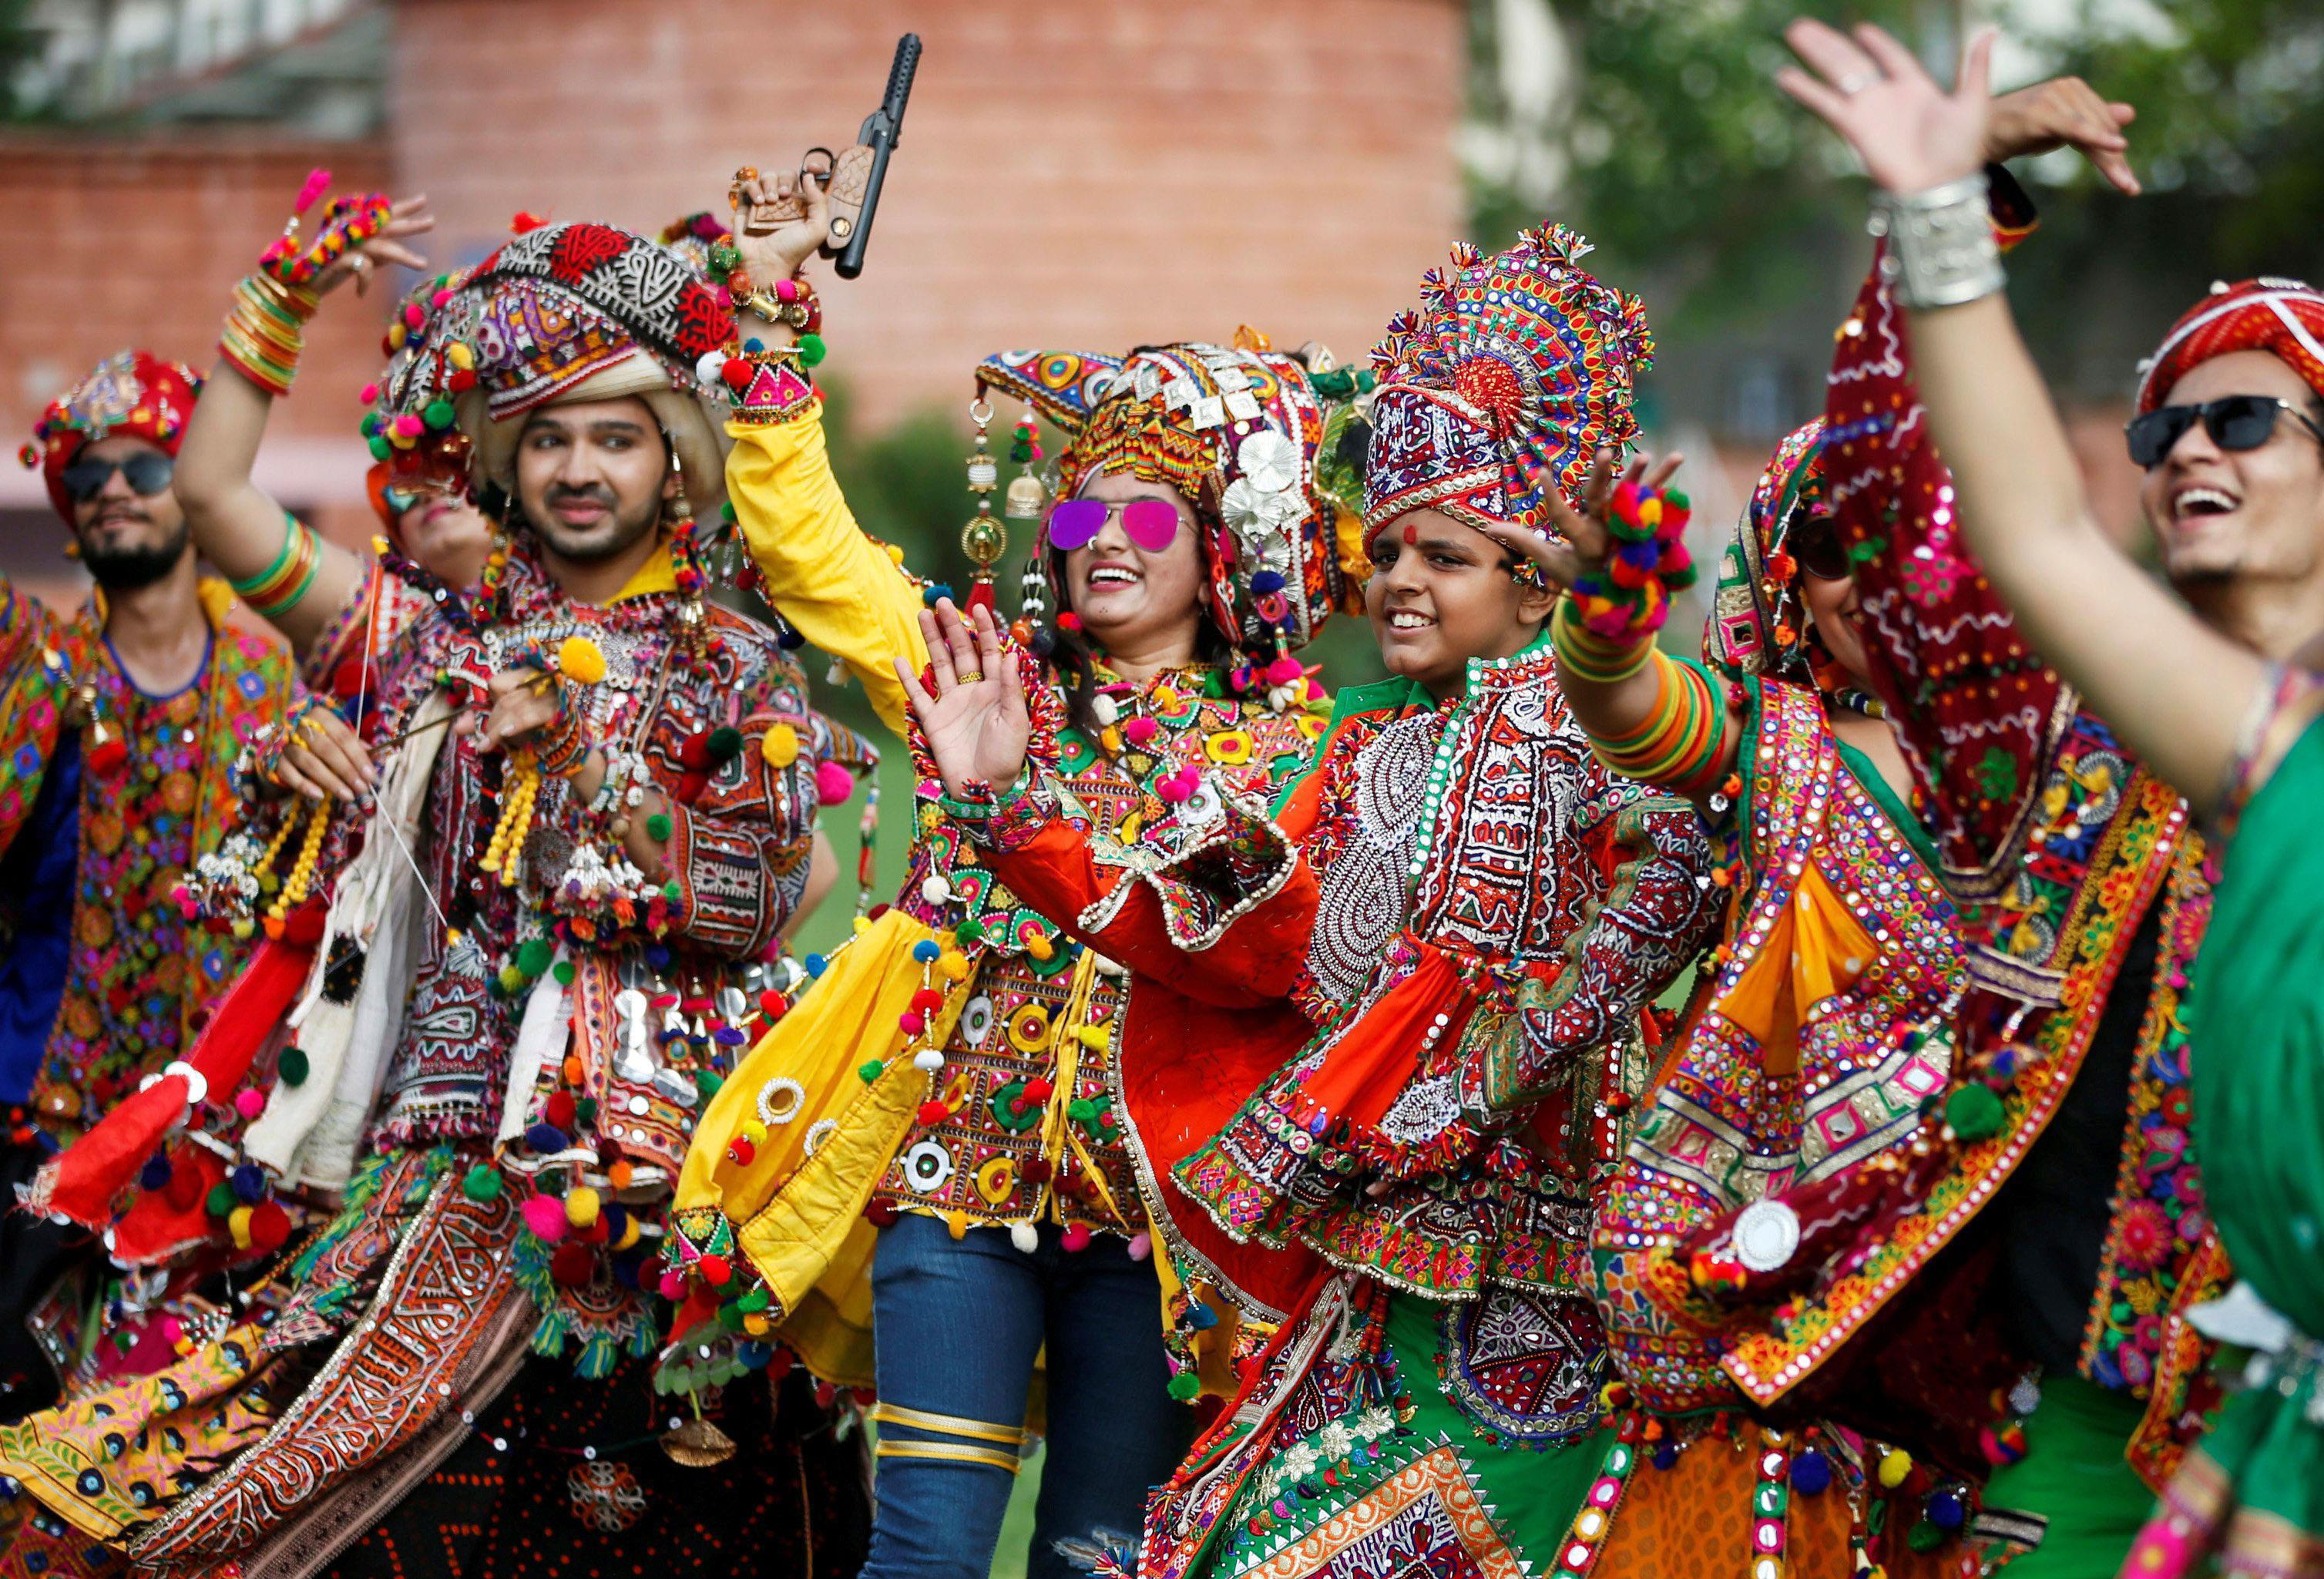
column 1828, row 1024
column 2066, row 821
column 119, row 729
column 947, row 1108
column 1475, row 911
column 531, row 976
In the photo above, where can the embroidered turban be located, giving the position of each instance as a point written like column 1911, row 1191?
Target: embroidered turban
column 2284, row 316
column 132, row 394
column 1511, row 375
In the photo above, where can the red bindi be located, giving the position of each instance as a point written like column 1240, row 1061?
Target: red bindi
column 1411, row 535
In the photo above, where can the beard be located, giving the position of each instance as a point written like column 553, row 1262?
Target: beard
column 129, row 567
column 614, row 535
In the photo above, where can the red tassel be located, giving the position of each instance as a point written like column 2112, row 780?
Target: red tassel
column 980, row 595
column 88, row 1176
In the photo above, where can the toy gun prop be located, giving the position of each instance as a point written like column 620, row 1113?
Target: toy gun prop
column 852, row 179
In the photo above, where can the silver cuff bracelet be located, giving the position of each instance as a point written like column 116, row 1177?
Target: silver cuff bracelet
column 1942, row 250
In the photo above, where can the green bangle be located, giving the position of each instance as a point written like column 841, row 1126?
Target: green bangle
column 244, row 588
column 291, row 599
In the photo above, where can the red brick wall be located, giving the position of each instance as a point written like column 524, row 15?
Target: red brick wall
column 117, row 241
column 1087, row 174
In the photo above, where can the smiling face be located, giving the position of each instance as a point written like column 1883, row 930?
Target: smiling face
column 1833, row 610
column 447, row 536
column 128, row 540
column 1134, row 600
column 2224, row 516
column 593, row 476
column 1440, row 594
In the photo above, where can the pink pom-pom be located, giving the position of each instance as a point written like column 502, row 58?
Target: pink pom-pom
column 249, row 1104
column 368, row 393
column 318, row 182
column 414, row 315
column 1076, row 1237
column 911, row 1022
column 1179, row 786
column 787, row 291
column 1141, row 1245
column 673, row 1284
column 439, row 299
column 409, row 425
column 833, row 783
column 1284, row 670
column 1140, row 731
column 545, row 1215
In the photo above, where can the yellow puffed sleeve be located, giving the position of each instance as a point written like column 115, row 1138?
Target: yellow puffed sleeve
column 841, row 589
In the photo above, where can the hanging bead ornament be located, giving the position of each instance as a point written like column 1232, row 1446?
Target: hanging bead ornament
column 983, row 540
column 1026, row 497
column 302, row 879
column 580, row 661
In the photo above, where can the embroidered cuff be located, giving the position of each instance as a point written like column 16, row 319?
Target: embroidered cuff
column 1003, row 820
column 1217, row 856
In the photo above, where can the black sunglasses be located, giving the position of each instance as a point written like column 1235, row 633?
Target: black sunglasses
column 148, row 471
column 2237, row 422
column 1816, row 546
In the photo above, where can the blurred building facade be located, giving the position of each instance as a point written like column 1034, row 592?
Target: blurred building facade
column 1069, row 173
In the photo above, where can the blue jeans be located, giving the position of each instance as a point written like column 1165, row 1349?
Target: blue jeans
column 957, row 1324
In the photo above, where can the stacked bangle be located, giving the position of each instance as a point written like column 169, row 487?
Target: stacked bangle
column 791, row 301
column 1678, row 745
column 279, row 587
column 1584, row 654
column 563, row 745
column 266, row 330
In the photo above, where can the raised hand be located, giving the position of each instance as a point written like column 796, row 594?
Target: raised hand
column 783, row 251
column 324, row 759
column 973, row 713
column 1587, row 543
column 2064, row 112
column 408, row 218
column 1911, row 133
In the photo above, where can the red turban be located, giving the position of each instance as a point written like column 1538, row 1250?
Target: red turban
column 2284, row 317
column 132, row 393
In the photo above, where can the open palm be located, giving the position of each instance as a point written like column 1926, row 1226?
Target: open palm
column 1911, row 133
column 972, row 712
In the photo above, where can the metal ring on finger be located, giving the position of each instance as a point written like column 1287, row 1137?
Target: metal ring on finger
column 819, row 174
column 1855, row 82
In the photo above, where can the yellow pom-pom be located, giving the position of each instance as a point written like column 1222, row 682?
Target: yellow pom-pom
column 458, row 355
column 756, row 1324
column 581, row 1207
column 578, row 658
column 396, row 335
column 631, row 1232
column 754, row 1132
column 1896, row 1465
column 894, row 554
column 1039, row 945
column 1650, row 510
column 862, row 924
column 780, row 746
column 954, row 966
column 237, row 1222
column 379, row 545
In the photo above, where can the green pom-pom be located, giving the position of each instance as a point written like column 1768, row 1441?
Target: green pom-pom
column 585, row 1111
column 726, row 512
column 563, row 972
column 483, row 1183
column 221, row 1201
column 294, row 1067
column 755, row 1301
column 369, row 426
column 708, row 1082
column 729, row 1316
column 532, row 956
column 670, row 891
column 1974, row 1113
column 724, row 744
column 380, row 447
column 811, row 349
column 1924, row 1536
column 871, row 1071
column 438, row 414
column 657, row 829
column 1186, row 1386
column 971, row 931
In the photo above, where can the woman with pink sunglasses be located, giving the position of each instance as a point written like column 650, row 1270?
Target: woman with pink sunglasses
column 936, row 1143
